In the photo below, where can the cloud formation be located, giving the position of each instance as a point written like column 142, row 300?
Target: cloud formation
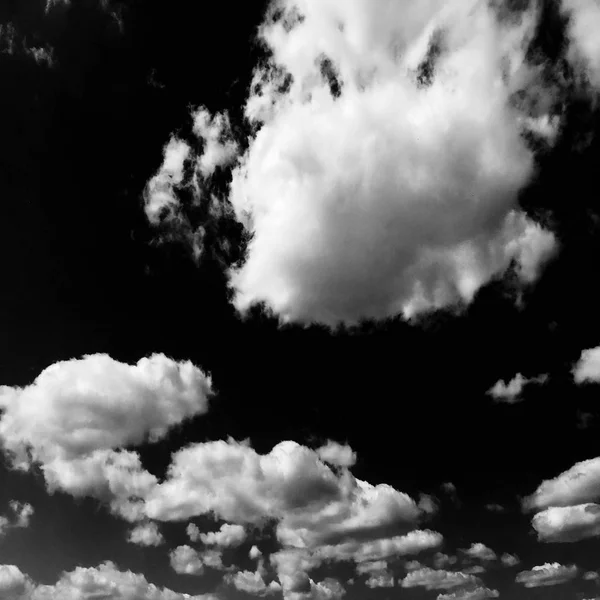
column 368, row 189
column 227, row 536
column 546, row 575
column 587, row 368
column 146, row 534
column 510, row 393
column 73, row 420
column 568, row 523
column 434, row 579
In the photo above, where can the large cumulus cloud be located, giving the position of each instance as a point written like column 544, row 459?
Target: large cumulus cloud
column 368, row 190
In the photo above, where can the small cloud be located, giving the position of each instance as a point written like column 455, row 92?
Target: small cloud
column 472, row 593
column 509, row 560
column 434, row 579
column 587, row 368
column 510, row 393
column 337, row 454
column 493, row 507
column 146, row 534
column 547, row 574
column 227, row 536
column 480, row 551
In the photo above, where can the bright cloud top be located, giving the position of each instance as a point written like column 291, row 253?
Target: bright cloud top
column 568, row 523
column 75, row 417
column 381, row 193
column 546, row 575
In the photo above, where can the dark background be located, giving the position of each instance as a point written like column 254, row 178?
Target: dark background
column 82, row 273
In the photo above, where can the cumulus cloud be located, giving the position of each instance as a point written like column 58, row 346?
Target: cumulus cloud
column 477, row 593
column 547, row 574
column 14, row 585
column 20, row 517
column 584, row 22
column 509, row 560
column 587, row 368
column 441, row 560
column 337, row 454
column 228, row 536
column 568, row 523
column 378, row 574
column 254, row 553
column 578, row 485
column 510, row 392
column 434, row 579
column 77, row 414
column 252, row 582
column 366, row 191
column 186, row 560
column 480, row 551
column 146, row 534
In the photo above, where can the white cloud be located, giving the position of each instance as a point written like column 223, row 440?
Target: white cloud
column 313, row 504
column 186, row 560
column 355, row 206
column 577, row 485
column 567, row 523
column 509, row 560
column 584, row 22
column 510, row 392
column 546, row 575
column 219, row 146
column 433, row 579
column 22, row 512
column 14, row 585
column 337, row 454
column 480, row 551
column 77, row 406
column 106, row 581
column 252, row 582
column 591, row 576
column 477, row 593
column 193, row 532
column 441, row 560
column 379, row 575
column 587, row 368
column 254, row 553
column 228, row 535
column 146, row 534
column 77, row 414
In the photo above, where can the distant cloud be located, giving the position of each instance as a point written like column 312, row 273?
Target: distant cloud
column 510, row 392
column 252, row 582
column 587, row 368
column 475, row 593
column 227, row 536
column 12, row 42
column 480, row 551
column 546, row 575
column 493, row 507
column 20, row 517
column 433, row 579
column 509, row 560
column 378, row 574
column 584, row 22
column 104, row 581
column 146, row 534
column 578, row 485
column 340, row 455
column 441, row 560
column 568, row 523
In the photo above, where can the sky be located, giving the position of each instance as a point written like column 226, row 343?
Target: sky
column 299, row 300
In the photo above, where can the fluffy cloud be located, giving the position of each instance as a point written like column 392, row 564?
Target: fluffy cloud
column 252, row 582
column 587, row 368
column 441, row 560
column 186, row 560
column 312, row 503
column 547, row 574
column 77, row 414
column 577, row 485
column 337, row 454
column 509, row 560
column 146, row 534
column 104, row 581
column 584, row 22
column 366, row 191
column 510, row 392
column 476, row 593
column 78, row 406
column 378, row 574
column 254, row 553
column 433, row 579
column 228, row 535
column 22, row 511
column 480, row 551
column 568, row 523
column 14, row 585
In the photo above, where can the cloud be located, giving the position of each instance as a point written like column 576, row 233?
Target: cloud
column 510, row 392
column 587, row 368
column 509, row 560
column 546, row 575
column 146, row 534
column 14, row 585
column 441, row 560
column 186, row 560
column 480, row 551
column 23, row 513
column 252, row 582
column 75, row 417
column 366, row 191
column 254, row 553
column 568, row 523
column 433, row 579
column 584, row 50
column 228, row 536
column 577, row 485
column 337, row 454
column 106, row 581
column 378, row 574
column 477, row 593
